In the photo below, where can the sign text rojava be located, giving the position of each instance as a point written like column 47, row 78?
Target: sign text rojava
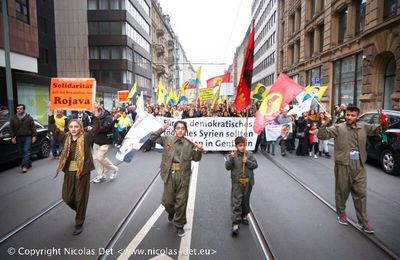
column 72, row 93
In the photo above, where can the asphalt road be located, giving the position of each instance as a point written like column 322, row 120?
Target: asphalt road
column 297, row 225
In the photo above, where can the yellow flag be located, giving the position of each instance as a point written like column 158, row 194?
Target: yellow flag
column 172, row 98
column 161, row 93
column 198, row 73
column 133, row 92
column 316, row 91
column 260, row 92
column 215, row 98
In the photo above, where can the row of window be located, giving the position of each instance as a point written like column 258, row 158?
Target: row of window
column 142, row 82
column 133, row 34
column 22, row 10
column 258, row 9
column 110, row 53
column 117, row 53
column 347, row 80
column 142, row 62
column 116, row 5
column 118, row 28
column 268, row 80
column 268, row 61
column 265, row 47
column 136, row 15
column 114, row 77
column 271, row 22
column 264, row 15
column 119, row 5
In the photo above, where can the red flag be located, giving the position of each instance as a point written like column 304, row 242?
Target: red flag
column 282, row 92
column 242, row 99
column 216, row 81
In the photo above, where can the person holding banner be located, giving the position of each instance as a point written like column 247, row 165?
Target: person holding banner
column 76, row 162
column 350, row 157
column 176, row 162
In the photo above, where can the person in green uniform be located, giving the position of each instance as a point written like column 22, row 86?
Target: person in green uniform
column 350, row 157
column 76, row 162
column 242, row 183
column 176, row 163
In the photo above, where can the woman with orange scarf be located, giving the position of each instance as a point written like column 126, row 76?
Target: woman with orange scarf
column 76, row 162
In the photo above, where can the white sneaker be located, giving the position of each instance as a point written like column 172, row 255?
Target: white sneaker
column 113, row 176
column 315, row 156
column 310, row 153
column 98, row 180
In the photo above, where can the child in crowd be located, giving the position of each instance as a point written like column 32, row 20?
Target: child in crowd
column 242, row 182
column 313, row 139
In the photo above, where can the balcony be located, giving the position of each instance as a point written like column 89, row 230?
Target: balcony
column 160, row 32
column 171, row 60
column 159, row 49
column 160, row 69
column 171, row 45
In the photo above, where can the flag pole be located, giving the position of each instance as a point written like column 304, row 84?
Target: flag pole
column 319, row 104
column 245, row 141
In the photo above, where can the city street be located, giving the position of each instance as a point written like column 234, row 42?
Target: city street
column 124, row 217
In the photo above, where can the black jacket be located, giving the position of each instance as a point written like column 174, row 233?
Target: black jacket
column 23, row 127
column 105, row 134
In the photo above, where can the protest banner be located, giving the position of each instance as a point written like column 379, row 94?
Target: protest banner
column 215, row 133
column 206, row 94
column 123, row 96
column 72, row 93
column 137, row 135
column 272, row 132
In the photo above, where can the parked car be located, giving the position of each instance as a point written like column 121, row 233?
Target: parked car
column 9, row 152
column 388, row 154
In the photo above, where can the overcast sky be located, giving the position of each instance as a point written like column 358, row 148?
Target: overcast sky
column 209, row 30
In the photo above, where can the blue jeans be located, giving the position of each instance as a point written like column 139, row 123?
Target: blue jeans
column 24, row 144
column 55, row 145
column 271, row 144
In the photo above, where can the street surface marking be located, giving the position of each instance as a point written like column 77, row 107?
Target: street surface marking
column 142, row 233
column 187, row 239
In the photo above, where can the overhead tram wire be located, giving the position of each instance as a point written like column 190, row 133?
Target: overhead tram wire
column 233, row 27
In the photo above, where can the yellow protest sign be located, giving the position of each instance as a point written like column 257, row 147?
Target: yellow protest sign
column 206, row 94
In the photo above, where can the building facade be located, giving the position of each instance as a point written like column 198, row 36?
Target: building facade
column 238, row 57
column 351, row 46
column 264, row 13
column 164, row 49
column 184, row 69
column 32, row 55
column 119, row 47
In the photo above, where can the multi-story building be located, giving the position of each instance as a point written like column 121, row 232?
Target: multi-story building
column 264, row 12
column 164, row 48
column 32, row 55
column 238, row 58
column 119, row 46
column 350, row 46
column 71, row 38
column 183, row 67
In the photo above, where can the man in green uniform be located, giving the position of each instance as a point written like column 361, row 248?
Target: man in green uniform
column 176, row 164
column 350, row 157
